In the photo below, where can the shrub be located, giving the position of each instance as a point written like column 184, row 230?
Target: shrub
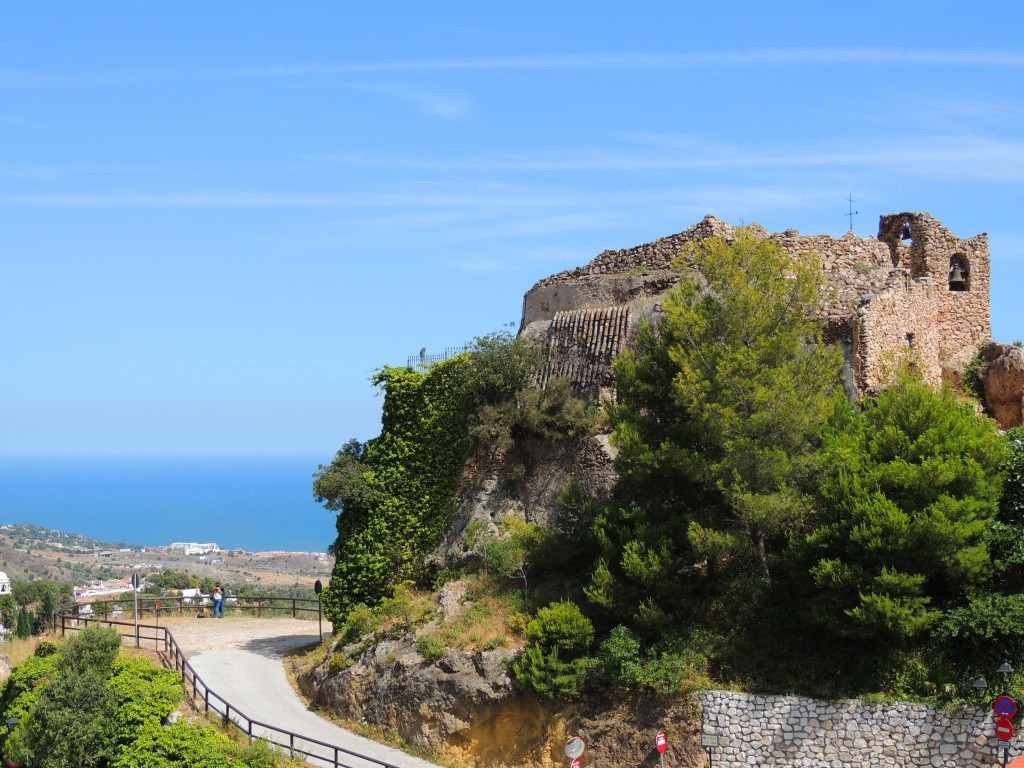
column 554, row 665
column 620, row 655
column 562, row 626
column 431, row 648
column 360, row 621
column 338, row 661
column 972, row 377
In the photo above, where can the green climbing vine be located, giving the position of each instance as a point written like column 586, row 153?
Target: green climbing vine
column 393, row 493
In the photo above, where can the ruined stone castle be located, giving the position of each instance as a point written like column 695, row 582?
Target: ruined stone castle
column 915, row 286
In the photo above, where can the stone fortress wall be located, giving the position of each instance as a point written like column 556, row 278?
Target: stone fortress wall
column 793, row 732
column 886, row 294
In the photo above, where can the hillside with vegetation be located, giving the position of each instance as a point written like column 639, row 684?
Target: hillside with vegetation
column 763, row 532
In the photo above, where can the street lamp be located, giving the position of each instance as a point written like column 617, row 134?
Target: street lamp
column 1004, row 706
column 318, row 588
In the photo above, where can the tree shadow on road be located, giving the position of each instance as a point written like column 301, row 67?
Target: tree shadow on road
column 276, row 647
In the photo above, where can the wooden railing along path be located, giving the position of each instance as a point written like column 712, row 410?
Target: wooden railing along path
column 102, row 611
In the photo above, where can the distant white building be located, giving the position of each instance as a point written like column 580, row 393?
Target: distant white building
column 192, row 548
column 194, row 596
column 5, row 584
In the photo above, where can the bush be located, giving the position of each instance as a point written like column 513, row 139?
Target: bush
column 431, row 648
column 360, row 621
column 554, row 665
column 563, row 627
column 338, row 661
column 620, row 656
column 669, row 667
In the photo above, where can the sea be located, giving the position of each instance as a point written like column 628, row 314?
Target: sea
column 257, row 504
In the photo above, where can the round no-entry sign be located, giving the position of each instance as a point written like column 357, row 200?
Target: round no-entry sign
column 1004, row 729
column 1005, row 706
column 661, row 741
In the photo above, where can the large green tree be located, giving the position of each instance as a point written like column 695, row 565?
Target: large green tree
column 910, row 482
column 721, row 407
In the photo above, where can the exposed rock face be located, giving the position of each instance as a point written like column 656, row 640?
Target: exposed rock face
column 492, row 496
column 1002, row 374
column 465, row 708
column 464, row 702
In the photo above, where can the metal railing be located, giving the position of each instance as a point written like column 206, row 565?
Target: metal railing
column 72, row 619
column 424, row 359
column 256, row 605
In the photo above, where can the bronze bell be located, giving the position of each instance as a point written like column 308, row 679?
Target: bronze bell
column 957, row 278
column 905, row 232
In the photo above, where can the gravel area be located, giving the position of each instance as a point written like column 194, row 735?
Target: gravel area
column 266, row 637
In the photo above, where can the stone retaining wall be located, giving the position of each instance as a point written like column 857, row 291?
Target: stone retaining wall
column 793, row 732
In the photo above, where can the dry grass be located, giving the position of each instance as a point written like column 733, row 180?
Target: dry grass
column 18, row 649
column 487, row 621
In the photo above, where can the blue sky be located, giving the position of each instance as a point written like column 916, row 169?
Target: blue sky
column 217, row 219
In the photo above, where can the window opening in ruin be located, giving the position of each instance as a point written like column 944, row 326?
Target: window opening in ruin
column 905, row 234
column 957, row 273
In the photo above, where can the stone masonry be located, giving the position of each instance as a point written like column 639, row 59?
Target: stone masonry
column 793, row 732
column 888, row 296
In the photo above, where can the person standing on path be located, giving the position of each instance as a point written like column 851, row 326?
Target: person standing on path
column 218, row 602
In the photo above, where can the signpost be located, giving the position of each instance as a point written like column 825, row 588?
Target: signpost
column 662, row 744
column 1004, row 729
column 709, row 741
column 1005, row 706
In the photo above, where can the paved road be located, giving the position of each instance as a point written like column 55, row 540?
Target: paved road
column 240, row 659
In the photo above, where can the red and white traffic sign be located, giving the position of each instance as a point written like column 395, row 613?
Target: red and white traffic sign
column 1004, row 728
column 1005, row 706
column 575, row 763
column 661, row 741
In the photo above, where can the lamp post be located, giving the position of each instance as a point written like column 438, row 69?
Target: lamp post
column 1004, row 707
column 318, row 588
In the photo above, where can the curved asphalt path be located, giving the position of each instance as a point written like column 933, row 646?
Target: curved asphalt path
column 250, row 676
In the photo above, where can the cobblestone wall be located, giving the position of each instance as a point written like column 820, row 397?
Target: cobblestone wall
column 792, row 732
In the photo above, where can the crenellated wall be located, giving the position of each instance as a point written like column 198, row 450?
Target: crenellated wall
column 885, row 296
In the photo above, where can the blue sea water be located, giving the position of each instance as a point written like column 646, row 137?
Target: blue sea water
column 252, row 503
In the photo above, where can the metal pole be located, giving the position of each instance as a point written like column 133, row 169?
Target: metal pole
column 320, row 619
column 135, row 593
column 709, row 757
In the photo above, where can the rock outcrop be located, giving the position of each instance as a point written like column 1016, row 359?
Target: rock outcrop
column 459, row 703
column 1002, row 375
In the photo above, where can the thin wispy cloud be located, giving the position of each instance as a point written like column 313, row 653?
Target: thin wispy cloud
column 357, row 200
column 63, row 171
column 448, row 107
column 637, row 60
column 816, row 56
column 974, row 157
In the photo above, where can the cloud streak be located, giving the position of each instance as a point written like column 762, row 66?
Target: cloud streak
column 638, row 60
column 810, row 56
column 974, row 157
